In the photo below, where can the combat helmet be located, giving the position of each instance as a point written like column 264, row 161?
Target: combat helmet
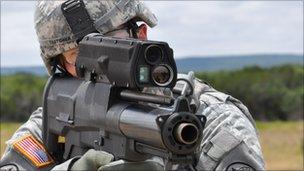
column 56, row 36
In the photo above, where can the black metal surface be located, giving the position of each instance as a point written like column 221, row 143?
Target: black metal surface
column 104, row 110
column 138, row 96
column 118, row 61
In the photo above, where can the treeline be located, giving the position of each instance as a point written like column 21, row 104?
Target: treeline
column 270, row 94
column 21, row 94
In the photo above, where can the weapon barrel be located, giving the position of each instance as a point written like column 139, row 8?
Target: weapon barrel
column 140, row 123
column 178, row 132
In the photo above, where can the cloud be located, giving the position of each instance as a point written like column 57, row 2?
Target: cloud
column 192, row 28
column 16, row 6
column 218, row 28
column 19, row 45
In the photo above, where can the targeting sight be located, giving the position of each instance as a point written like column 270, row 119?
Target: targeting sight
column 128, row 63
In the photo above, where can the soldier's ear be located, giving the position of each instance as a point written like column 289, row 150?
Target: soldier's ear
column 142, row 32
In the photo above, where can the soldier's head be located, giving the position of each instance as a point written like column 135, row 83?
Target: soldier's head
column 58, row 42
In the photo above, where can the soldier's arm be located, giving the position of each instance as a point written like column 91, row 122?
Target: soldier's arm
column 25, row 150
column 230, row 136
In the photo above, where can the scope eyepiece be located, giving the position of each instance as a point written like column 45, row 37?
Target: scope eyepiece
column 153, row 54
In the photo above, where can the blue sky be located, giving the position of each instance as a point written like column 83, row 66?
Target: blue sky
column 192, row 28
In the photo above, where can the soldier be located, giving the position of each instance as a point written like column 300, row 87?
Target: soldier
column 230, row 137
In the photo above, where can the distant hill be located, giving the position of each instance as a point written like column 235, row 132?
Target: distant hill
column 212, row 63
column 235, row 62
column 36, row 70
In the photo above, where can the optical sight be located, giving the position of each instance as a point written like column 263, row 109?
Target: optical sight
column 128, row 62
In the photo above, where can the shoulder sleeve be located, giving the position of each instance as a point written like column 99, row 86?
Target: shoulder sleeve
column 24, row 151
column 229, row 127
column 33, row 126
column 240, row 158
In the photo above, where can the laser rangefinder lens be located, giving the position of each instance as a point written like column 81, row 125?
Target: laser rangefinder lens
column 162, row 75
column 153, row 54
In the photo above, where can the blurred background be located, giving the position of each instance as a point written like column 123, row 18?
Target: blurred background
column 252, row 50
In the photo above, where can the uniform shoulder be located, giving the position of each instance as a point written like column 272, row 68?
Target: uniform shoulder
column 229, row 126
column 25, row 150
column 33, row 126
column 216, row 102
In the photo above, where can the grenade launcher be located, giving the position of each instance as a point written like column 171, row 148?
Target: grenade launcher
column 105, row 108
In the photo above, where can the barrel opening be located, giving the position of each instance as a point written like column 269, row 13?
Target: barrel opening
column 189, row 134
column 186, row 133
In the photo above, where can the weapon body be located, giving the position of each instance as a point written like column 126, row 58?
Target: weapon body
column 105, row 108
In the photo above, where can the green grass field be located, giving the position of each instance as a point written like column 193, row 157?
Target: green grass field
column 282, row 143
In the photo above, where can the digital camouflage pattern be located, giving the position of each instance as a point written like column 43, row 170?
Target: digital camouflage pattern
column 229, row 124
column 55, row 35
column 229, row 127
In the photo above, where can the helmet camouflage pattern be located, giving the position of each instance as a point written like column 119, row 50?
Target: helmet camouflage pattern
column 55, row 35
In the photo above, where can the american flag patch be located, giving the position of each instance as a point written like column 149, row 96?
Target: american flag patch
column 33, row 150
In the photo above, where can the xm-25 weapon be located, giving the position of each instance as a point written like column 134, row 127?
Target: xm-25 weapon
column 106, row 109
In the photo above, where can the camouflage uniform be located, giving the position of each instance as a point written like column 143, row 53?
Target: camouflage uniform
column 230, row 137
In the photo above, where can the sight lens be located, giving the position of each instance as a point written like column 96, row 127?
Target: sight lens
column 162, row 75
column 153, row 54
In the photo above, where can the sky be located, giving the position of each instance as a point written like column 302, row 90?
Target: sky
column 192, row 28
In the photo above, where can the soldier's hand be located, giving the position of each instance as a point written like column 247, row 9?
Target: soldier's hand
column 92, row 160
column 121, row 165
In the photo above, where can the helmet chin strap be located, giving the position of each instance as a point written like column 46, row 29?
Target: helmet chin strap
column 133, row 27
column 56, row 65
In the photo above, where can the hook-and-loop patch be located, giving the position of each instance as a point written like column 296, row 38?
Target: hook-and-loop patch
column 33, row 150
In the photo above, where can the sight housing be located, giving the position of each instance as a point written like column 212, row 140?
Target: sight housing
column 128, row 63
